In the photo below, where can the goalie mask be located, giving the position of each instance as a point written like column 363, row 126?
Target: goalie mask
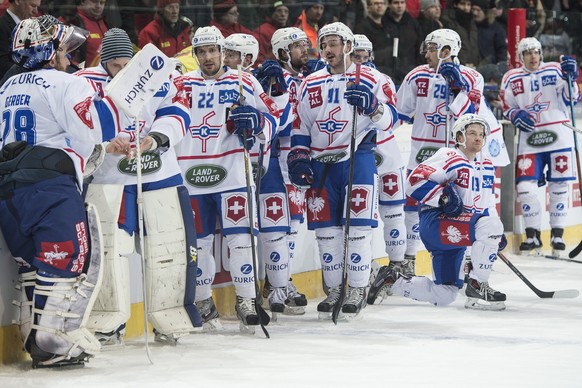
column 461, row 125
column 35, row 41
column 244, row 44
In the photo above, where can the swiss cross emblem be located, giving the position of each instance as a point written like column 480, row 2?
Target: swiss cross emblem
column 422, row 87
column 420, row 173
column 359, row 200
column 82, row 110
column 274, row 208
column 561, row 163
column 236, row 208
column 315, row 98
column 390, row 184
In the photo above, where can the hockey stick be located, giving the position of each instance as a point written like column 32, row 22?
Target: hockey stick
column 448, row 114
column 141, row 235
column 337, row 307
column 571, row 293
column 264, row 318
column 561, row 259
column 574, row 252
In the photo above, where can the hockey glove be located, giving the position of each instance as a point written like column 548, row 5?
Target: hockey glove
column 569, row 67
column 523, row 120
column 451, row 201
column 300, row 171
column 369, row 64
column 312, row 66
column 502, row 243
column 270, row 75
column 362, row 97
column 452, row 73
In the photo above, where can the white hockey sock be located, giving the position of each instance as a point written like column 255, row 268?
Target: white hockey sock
column 530, row 205
column 359, row 256
column 330, row 243
column 558, row 204
column 206, row 268
column 275, row 255
column 241, row 264
column 412, row 234
column 423, row 289
column 394, row 231
column 488, row 232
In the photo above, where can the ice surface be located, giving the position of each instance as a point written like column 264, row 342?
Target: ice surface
column 399, row 343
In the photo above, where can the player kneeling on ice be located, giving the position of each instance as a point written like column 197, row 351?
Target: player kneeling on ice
column 455, row 189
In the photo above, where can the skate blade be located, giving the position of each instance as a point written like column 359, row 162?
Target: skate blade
column 352, row 316
column 61, row 365
column 112, row 345
column 327, row 316
column 294, row 310
column 246, row 329
column 211, row 325
column 480, row 304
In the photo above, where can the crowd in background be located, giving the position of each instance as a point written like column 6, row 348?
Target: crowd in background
column 170, row 25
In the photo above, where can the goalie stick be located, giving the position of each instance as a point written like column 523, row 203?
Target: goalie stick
column 570, row 293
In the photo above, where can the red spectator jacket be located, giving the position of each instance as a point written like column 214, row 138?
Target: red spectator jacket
column 236, row 28
column 263, row 33
column 169, row 40
column 90, row 50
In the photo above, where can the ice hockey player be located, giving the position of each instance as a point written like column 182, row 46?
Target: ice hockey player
column 212, row 162
column 51, row 125
column 390, row 172
column 319, row 161
column 457, row 209
column 171, row 287
column 536, row 100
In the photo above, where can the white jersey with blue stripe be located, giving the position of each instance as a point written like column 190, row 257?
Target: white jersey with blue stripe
column 211, row 157
column 473, row 180
column 326, row 117
column 544, row 95
column 51, row 108
column 167, row 113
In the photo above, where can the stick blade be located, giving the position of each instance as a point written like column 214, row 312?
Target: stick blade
column 564, row 294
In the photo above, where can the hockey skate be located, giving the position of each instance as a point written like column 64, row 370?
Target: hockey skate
column 165, row 339
column 111, row 340
column 42, row 359
column 247, row 314
column 382, row 285
column 276, row 299
column 355, row 302
column 557, row 242
column 209, row 314
column 408, row 266
column 480, row 296
column 295, row 302
column 533, row 241
column 325, row 307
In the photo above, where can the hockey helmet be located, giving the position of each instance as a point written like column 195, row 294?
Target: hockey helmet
column 284, row 37
column 527, row 44
column 463, row 122
column 339, row 29
column 361, row 42
column 439, row 39
column 206, row 36
column 35, row 41
column 245, row 44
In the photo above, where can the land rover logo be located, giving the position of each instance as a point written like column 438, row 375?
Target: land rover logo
column 542, row 138
column 331, row 158
column 150, row 163
column 207, row 175
column 425, row 153
column 378, row 158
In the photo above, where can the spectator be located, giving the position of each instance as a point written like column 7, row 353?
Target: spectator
column 460, row 20
column 169, row 31
column 378, row 33
column 491, row 38
column 89, row 16
column 226, row 18
column 429, row 19
column 17, row 10
column 401, row 25
column 310, row 21
column 277, row 17
column 555, row 41
column 199, row 11
column 413, row 7
column 535, row 18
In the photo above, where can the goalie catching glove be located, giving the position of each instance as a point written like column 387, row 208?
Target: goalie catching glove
column 450, row 201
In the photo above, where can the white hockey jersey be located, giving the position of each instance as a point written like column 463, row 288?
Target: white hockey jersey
column 473, row 180
column 422, row 97
column 210, row 157
column 166, row 113
column 326, row 117
column 544, row 94
column 388, row 156
column 293, row 86
column 53, row 109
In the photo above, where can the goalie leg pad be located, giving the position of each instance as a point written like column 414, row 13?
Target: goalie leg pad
column 113, row 304
column 62, row 306
column 25, row 290
column 171, row 261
